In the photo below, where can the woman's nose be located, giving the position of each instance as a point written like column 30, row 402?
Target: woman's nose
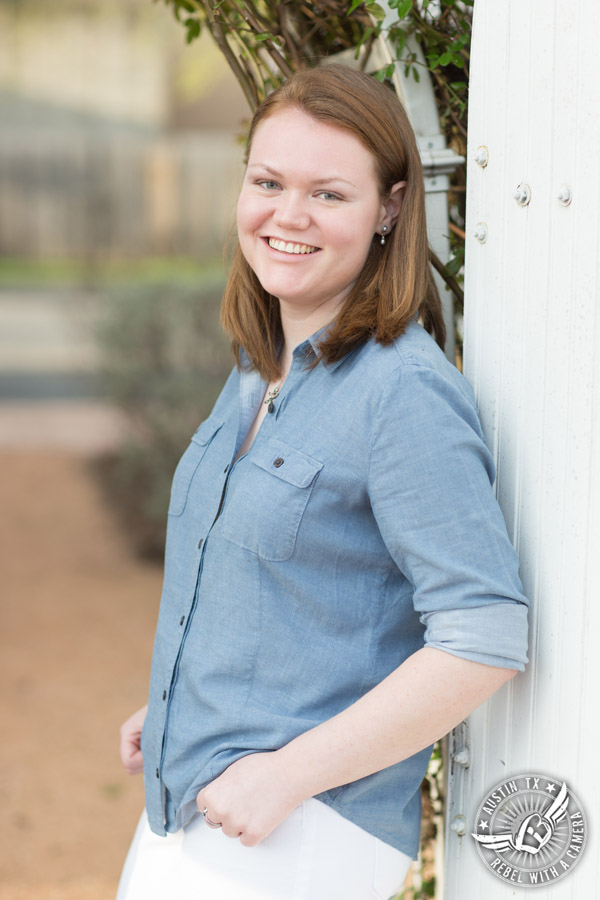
column 291, row 211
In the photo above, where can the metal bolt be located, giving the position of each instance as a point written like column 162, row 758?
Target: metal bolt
column 459, row 825
column 522, row 194
column 564, row 195
column 482, row 156
column 480, row 233
column 463, row 757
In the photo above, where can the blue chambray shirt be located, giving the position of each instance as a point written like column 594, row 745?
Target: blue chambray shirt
column 360, row 526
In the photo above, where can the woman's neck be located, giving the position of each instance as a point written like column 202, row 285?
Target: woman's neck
column 298, row 325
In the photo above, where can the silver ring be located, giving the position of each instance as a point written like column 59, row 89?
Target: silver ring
column 208, row 821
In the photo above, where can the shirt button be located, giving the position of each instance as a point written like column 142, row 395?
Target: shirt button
column 278, row 462
column 200, row 542
column 157, row 774
column 226, row 469
column 164, row 695
column 182, row 620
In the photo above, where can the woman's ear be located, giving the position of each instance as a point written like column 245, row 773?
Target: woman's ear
column 393, row 204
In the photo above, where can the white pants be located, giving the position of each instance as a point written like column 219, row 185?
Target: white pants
column 315, row 854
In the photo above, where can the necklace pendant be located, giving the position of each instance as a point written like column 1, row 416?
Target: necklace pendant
column 272, row 395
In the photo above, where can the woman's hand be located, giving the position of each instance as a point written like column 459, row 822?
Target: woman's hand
column 131, row 738
column 252, row 797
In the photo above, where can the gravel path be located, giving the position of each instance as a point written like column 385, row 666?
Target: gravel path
column 76, row 625
column 77, row 611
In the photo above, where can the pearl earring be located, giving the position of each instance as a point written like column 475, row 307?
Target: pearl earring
column 383, row 231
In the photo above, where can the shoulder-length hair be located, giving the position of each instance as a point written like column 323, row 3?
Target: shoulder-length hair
column 396, row 282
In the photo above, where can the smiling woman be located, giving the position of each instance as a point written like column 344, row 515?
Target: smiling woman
column 355, row 122
column 305, row 228
column 339, row 589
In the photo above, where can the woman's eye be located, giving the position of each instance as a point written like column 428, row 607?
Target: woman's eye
column 327, row 195
column 268, row 185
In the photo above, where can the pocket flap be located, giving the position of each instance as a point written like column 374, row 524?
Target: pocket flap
column 205, row 432
column 287, row 463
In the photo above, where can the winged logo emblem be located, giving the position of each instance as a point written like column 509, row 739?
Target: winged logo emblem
column 533, row 833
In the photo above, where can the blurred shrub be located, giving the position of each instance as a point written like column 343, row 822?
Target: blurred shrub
column 165, row 360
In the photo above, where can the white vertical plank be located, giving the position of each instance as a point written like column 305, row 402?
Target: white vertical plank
column 532, row 353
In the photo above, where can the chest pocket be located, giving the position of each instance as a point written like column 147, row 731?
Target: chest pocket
column 265, row 507
column 189, row 462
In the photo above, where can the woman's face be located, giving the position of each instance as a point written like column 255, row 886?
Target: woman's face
column 308, row 210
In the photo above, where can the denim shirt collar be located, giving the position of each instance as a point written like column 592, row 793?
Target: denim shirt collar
column 308, row 348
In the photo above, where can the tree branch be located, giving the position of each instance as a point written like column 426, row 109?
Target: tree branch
column 446, row 276
column 248, row 87
column 278, row 59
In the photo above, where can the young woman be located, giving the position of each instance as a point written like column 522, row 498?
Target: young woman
column 339, row 590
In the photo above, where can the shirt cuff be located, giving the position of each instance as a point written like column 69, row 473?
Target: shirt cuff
column 494, row 634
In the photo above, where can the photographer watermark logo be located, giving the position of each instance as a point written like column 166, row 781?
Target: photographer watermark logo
column 530, row 830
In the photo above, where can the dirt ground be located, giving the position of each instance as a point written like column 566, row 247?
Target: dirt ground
column 77, row 620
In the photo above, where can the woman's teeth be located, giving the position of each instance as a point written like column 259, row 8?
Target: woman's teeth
column 289, row 247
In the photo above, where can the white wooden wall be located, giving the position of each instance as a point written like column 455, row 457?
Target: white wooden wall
column 532, row 354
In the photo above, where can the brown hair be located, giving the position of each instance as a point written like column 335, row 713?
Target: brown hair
column 396, row 281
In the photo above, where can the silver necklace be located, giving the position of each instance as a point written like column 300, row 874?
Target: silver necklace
column 272, row 395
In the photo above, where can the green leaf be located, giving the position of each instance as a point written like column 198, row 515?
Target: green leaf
column 386, row 72
column 365, row 35
column 404, row 8
column 445, row 59
column 454, row 266
column 397, row 37
column 460, row 42
column 458, row 85
column 193, row 29
column 377, row 12
column 389, row 70
column 354, row 5
column 263, row 36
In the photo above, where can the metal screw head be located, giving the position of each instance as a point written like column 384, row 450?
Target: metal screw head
column 482, row 156
column 463, row 757
column 480, row 232
column 564, row 195
column 522, row 194
column 459, row 825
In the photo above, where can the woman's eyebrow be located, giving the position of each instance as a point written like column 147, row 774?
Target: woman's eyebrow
column 326, row 180
column 331, row 178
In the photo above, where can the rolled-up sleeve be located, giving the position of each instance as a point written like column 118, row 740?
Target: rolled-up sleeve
column 430, row 486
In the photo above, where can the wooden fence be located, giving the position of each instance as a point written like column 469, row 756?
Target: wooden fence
column 83, row 195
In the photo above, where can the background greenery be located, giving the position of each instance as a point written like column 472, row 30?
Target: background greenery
column 165, row 361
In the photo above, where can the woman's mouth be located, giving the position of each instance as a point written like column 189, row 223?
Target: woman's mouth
column 290, row 247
